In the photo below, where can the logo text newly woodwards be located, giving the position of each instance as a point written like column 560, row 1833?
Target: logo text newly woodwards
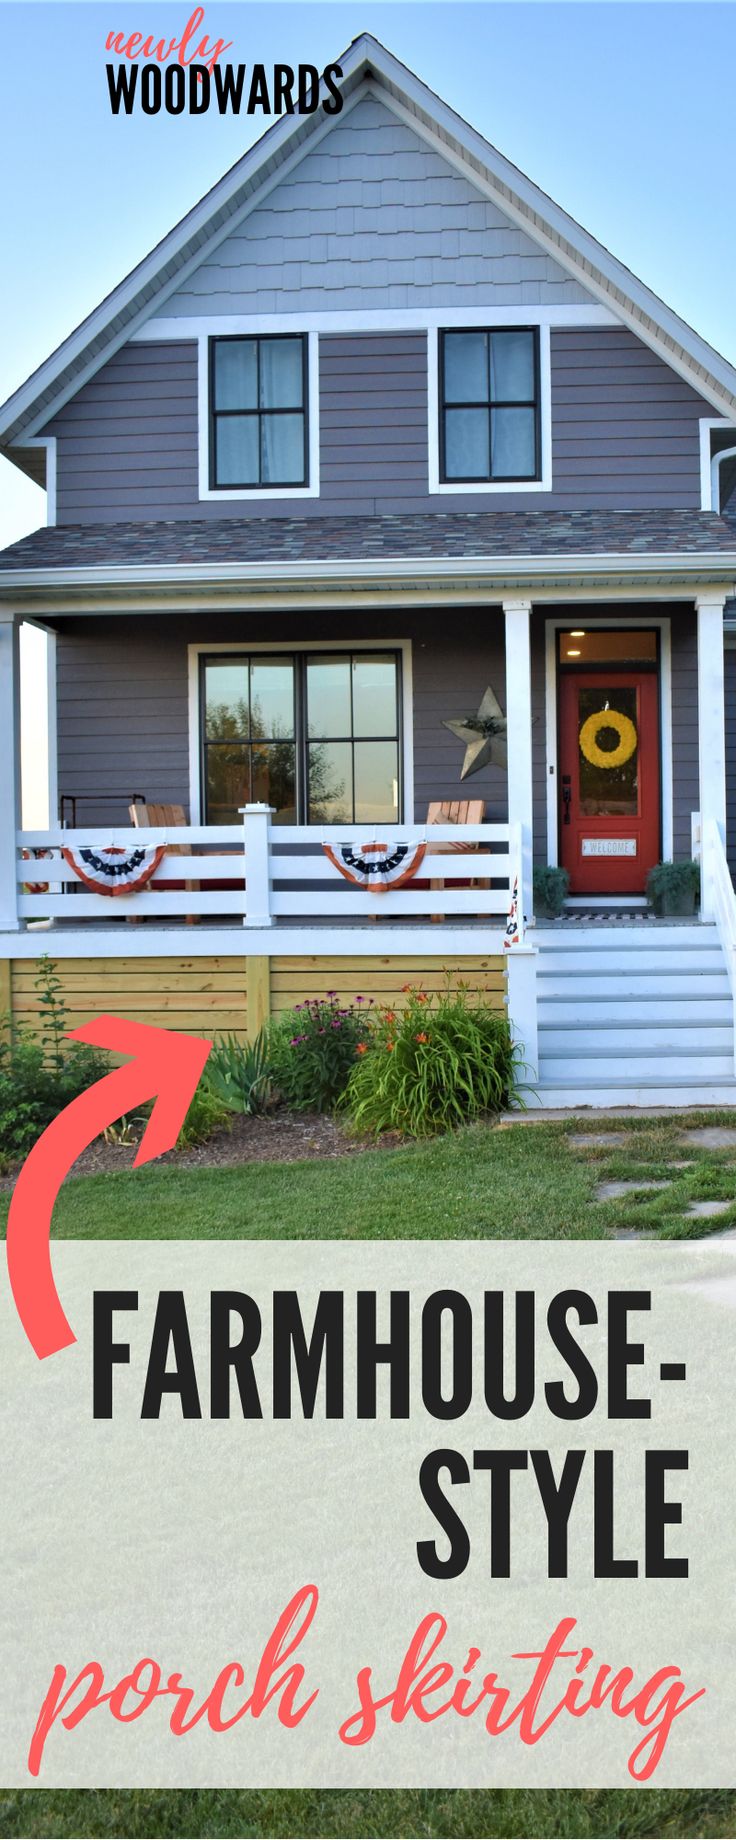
column 187, row 75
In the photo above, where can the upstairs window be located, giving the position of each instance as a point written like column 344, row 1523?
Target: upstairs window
column 258, row 413
column 489, row 405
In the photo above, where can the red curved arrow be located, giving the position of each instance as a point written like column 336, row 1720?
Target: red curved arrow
column 167, row 1066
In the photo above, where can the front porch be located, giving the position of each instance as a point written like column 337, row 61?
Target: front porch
column 245, row 917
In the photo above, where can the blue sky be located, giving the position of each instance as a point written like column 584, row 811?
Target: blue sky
column 613, row 108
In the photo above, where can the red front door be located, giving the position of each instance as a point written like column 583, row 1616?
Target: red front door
column 609, row 779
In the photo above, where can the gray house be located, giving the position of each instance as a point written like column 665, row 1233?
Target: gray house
column 377, row 430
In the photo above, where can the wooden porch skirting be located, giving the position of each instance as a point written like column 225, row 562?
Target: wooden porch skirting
column 217, row 996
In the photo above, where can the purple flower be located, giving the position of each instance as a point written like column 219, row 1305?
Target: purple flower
column 336, row 1023
column 330, row 993
column 360, row 999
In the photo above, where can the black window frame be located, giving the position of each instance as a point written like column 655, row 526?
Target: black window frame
column 299, row 657
column 490, row 478
column 258, row 339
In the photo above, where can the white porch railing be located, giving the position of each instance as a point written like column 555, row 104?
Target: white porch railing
column 717, row 896
column 260, row 874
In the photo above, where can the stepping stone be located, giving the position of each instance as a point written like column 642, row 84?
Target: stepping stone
column 642, row 1233
column 607, row 1139
column 706, row 1210
column 614, row 1191
column 675, row 1166
column 716, row 1239
column 711, row 1137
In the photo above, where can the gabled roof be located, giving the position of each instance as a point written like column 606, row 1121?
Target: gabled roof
column 144, row 291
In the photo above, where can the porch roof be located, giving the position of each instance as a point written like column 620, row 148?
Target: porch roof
column 177, row 546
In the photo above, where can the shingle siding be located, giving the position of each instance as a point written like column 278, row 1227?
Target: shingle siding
column 624, row 428
column 374, row 217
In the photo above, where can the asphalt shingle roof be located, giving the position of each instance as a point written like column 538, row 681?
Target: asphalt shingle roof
column 420, row 536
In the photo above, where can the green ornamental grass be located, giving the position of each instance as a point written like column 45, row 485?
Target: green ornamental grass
column 446, row 1059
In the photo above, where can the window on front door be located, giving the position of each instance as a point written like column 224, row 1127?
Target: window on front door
column 258, row 412
column 314, row 734
column 489, row 405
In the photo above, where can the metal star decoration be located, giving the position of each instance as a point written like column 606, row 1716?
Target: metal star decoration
column 484, row 736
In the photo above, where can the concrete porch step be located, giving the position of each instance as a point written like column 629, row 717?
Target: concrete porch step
column 628, row 1063
column 660, row 937
column 592, row 960
column 593, row 1010
column 600, row 1094
column 643, row 1036
column 630, row 983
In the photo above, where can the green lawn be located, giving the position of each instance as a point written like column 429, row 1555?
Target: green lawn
column 517, row 1181
column 379, row 1814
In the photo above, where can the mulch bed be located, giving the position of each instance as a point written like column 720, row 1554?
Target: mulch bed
column 280, row 1137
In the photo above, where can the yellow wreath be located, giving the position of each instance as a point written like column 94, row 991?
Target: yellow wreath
column 624, row 728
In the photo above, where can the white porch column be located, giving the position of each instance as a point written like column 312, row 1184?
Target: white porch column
column 711, row 728
column 519, row 736
column 10, row 814
column 257, row 843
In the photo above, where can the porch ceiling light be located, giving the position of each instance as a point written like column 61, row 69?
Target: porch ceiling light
column 577, row 633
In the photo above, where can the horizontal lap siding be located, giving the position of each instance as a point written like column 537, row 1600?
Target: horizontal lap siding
column 127, row 442
column 625, row 434
column 202, row 996
column 122, row 717
column 686, row 773
column 455, row 658
column 293, row 980
column 123, row 698
column 625, row 431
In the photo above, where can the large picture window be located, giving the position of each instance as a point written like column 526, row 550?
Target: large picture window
column 315, row 734
column 258, row 412
column 489, row 405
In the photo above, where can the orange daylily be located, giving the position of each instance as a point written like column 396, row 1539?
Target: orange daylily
column 421, row 1037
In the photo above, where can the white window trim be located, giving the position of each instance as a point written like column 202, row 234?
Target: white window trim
column 706, row 424
column 341, row 320
column 663, row 624
column 445, row 488
column 403, row 646
column 216, row 328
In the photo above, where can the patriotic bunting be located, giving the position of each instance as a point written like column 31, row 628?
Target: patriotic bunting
column 115, row 871
column 376, row 866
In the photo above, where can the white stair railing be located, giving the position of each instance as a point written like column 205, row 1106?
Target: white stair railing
column 717, row 897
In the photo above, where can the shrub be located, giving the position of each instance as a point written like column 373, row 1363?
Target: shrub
column 550, row 891
column 673, row 887
column 443, row 1061
column 239, row 1073
column 312, row 1051
column 41, row 1074
column 206, row 1116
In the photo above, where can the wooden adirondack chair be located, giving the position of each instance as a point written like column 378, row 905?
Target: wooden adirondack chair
column 163, row 817
column 455, row 811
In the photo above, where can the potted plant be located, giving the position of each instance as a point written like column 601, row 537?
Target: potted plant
column 550, row 891
column 673, row 888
